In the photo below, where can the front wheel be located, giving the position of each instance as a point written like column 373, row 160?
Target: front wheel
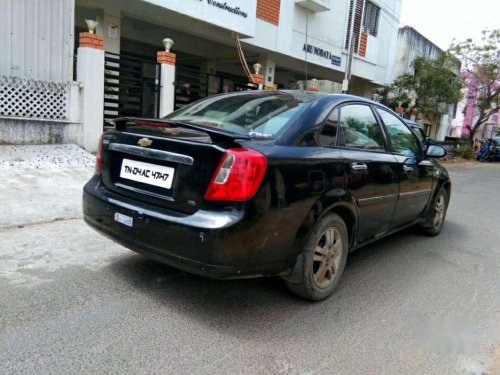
column 436, row 215
column 322, row 260
column 486, row 156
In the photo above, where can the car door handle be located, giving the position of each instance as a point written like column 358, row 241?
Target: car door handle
column 359, row 167
column 407, row 168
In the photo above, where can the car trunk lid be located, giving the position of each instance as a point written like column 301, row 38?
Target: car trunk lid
column 163, row 163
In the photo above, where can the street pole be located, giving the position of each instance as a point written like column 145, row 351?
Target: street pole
column 307, row 45
column 347, row 77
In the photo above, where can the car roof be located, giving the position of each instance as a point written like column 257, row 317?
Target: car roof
column 331, row 96
column 308, row 96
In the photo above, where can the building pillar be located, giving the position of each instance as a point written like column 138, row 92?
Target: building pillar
column 166, row 59
column 443, row 128
column 90, row 72
column 413, row 115
column 258, row 79
column 110, row 27
column 268, row 71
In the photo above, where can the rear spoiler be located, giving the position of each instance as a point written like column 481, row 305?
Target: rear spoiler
column 215, row 134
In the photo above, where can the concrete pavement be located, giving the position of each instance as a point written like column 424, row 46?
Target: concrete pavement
column 41, row 183
column 71, row 301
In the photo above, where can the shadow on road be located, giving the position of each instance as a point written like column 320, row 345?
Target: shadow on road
column 372, row 276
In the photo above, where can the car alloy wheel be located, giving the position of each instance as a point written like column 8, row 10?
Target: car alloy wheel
column 327, row 256
column 440, row 209
column 436, row 214
column 319, row 267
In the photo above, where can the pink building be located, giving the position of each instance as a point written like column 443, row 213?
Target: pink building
column 466, row 113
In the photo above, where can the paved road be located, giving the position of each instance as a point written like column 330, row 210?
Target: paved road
column 72, row 302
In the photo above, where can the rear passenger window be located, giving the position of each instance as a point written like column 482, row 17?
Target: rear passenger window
column 359, row 128
column 328, row 135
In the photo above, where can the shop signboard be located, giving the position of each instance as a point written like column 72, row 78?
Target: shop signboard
column 234, row 15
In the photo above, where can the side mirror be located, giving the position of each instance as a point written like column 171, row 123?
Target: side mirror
column 435, row 151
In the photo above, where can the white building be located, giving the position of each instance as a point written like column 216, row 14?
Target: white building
column 410, row 45
column 40, row 40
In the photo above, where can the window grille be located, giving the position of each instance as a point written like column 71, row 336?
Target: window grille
column 358, row 15
column 370, row 22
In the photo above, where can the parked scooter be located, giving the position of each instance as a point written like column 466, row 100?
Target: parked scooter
column 490, row 150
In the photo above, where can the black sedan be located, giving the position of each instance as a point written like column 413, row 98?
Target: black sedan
column 259, row 183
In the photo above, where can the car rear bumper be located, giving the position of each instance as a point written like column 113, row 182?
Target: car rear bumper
column 206, row 243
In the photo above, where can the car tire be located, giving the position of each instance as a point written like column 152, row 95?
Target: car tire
column 436, row 214
column 322, row 261
column 485, row 157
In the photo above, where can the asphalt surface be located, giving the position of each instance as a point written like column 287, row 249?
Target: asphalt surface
column 72, row 302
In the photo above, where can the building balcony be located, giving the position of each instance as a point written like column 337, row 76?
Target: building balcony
column 314, row 5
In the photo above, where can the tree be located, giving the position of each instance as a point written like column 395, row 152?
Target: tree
column 481, row 64
column 434, row 83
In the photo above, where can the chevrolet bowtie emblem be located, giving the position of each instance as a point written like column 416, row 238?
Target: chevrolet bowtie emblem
column 144, row 142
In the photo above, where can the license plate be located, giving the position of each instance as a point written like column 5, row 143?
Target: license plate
column 151, row 174
column 124, row 219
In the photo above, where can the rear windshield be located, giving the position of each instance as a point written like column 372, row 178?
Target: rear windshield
column 254, row 114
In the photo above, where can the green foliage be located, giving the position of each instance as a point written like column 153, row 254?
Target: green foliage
column 356, row 124
column 482, row 65
column 434, row 83
column 437, row 82
column 402, row 90
column 465, row 152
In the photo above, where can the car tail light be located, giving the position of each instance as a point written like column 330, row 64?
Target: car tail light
column 98, row 157
column 238, row 175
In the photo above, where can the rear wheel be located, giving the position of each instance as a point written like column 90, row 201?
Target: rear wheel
column 436, row 215
column 323, row 260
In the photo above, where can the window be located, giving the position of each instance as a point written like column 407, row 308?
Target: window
column 370, row 22
column 359, row 128
column 402, row 139
column 254, row 114
column 328, row 135
column 419, row 133
column 358, row 14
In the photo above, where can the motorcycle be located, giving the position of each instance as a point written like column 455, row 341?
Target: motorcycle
column 490, row 150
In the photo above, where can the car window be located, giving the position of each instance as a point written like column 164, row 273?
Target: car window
column 265, row 113
column 419, row 133
column 359, row 128
column 328, row 135
column 403, row 141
